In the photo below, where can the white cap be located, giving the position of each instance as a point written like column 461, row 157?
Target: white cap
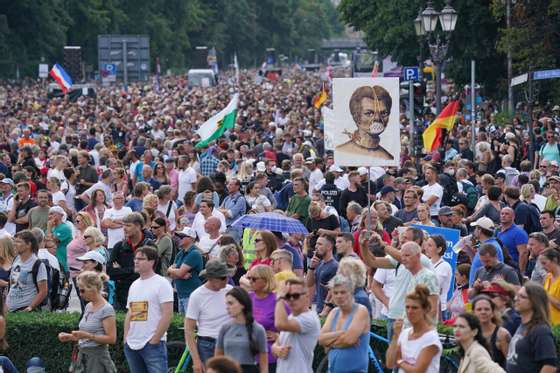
column 186, row 232
column 92, row 255
column 362, row 171
column 261, row 167
column 484, row 223
column 335, row 168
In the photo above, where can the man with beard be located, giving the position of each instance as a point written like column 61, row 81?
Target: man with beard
column 370, row 108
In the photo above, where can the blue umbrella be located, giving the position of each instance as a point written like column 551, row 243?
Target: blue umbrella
column 270, row 221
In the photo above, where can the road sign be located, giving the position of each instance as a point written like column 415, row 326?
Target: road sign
column 519, row 79
column 43, row 70
column 410, row 73
column 109, row 72
column 546, row 74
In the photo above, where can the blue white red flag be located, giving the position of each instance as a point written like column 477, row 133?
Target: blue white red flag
column 61, row 77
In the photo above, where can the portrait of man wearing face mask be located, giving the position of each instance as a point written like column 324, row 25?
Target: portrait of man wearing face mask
column 370, row 108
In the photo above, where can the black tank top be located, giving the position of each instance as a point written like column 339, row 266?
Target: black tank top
column 496, row 353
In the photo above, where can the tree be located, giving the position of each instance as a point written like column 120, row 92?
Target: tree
column 388, row 27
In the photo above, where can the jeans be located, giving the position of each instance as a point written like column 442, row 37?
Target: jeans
column 149, row 359
column 7, row 365
column 183, row 304
column 390, row 323
column 205, row 349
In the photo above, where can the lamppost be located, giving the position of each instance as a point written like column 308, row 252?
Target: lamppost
column 425, row 25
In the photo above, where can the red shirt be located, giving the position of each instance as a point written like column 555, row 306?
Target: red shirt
column 385, row 237
column 265, row 261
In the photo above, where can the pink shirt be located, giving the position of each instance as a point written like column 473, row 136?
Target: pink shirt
column 76, row 248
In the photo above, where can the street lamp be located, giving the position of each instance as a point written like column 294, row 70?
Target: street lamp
column 425, row 25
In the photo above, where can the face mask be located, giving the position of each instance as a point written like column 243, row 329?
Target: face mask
column 450, row 172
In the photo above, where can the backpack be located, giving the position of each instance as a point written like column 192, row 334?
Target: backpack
column 471, row 193
column 450, row 189
column 533, row 223
column 58, row 285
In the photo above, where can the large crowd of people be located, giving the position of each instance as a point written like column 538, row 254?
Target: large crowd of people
column 110, row 197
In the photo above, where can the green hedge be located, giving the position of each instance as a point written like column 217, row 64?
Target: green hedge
column 36, row 334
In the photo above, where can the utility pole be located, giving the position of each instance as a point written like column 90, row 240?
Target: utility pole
column 509, row 68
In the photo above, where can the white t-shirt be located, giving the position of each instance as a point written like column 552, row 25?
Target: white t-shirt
column 205, row 244
column 145, row 298
column 53, row 261
column 314, row 178
column 186, row 178
column 115, row 235
column 443, row 272
column 104, row 187
column 171, row 219
column 57, row 197
column 208, row 308
column 300, row 358
column 59, row 174
column 69, row 191
column 386, row 277
column 433, row 190
column 410, row 350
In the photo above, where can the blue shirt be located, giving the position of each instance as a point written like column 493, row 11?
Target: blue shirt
column 476, row 264
column 323, row 274
column 135, row 204
column 511, row 238
column 297, row 261
column 236, row 205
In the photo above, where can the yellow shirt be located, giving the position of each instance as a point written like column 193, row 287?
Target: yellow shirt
column 553, row 290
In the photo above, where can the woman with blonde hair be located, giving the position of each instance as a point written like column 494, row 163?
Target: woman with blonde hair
column 356, row 271
column 346, row 331
column 150, row 205
column 7, row 255
column 95, row 240
column 97, row 328
column 78, row 247
column 262, row 295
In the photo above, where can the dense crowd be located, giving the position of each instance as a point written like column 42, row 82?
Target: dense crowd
column 110, row 197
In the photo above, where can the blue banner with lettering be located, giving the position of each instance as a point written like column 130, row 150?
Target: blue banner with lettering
column 452, row 236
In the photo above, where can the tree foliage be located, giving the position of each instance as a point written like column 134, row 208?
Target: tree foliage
column 389, row 28
column 35, row 30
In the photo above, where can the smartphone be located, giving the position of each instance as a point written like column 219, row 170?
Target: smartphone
column 376, row 247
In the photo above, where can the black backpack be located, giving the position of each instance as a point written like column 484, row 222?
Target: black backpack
column 450, row 189
column 58, row 284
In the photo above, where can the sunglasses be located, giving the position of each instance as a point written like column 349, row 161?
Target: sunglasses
column 252, row 279
column 156, row 226
column 294, row 296
column 258, row 239
column 86, row 237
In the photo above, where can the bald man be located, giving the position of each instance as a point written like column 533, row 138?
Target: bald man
column 209, row 243
column 514, row 238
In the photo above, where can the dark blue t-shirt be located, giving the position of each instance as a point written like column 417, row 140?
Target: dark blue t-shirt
column 323, row 274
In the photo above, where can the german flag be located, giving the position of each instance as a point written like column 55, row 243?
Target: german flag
column 320, row 99
column 432, row 136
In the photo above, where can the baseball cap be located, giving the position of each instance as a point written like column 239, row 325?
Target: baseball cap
column 484, row 223
column 445, row 211
column 335, row 168
column 7, row 180
column 215, row 268
column 362, row 171
column 495, row 288
column 92, row 255
column 186, row 232
column 400, row 180
column 387, row 189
